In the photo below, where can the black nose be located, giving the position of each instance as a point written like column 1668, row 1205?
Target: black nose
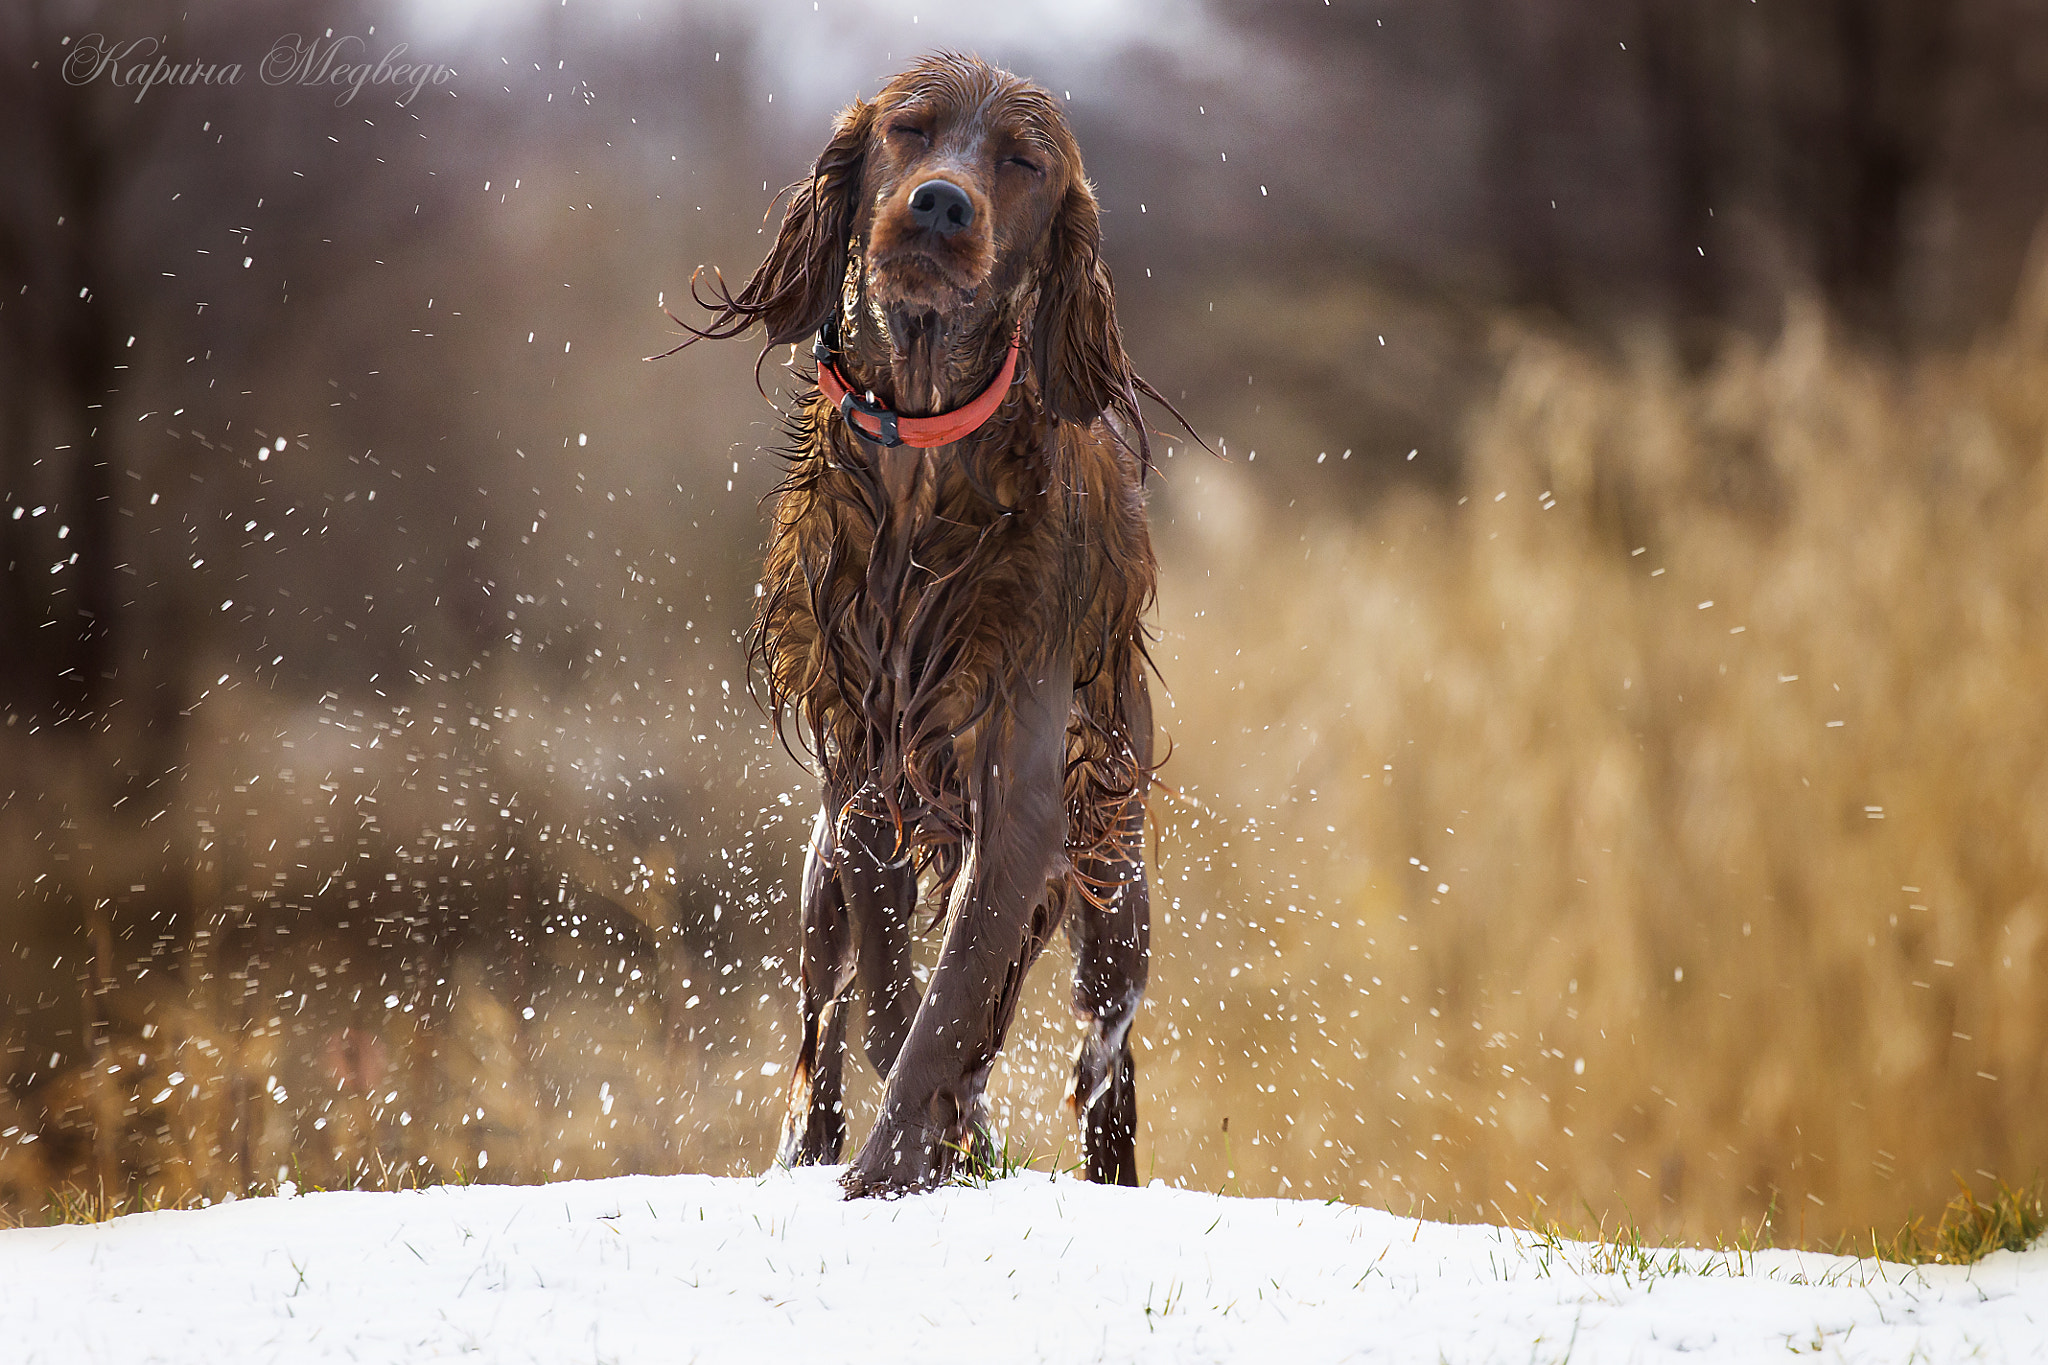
column 941, row 206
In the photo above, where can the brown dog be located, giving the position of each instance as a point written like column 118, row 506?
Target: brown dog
column 951, row 605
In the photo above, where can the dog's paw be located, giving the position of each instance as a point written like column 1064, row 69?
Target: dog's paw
column 899, row 1161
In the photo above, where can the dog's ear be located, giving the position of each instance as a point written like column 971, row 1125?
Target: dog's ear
column 794, row 291
column 1077, row 353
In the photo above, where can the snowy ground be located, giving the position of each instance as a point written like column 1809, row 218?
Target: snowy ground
column 693, row 1268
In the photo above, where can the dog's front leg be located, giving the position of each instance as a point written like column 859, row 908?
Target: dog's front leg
column 814, row 1123
column 1000, row 918
column 853, row 881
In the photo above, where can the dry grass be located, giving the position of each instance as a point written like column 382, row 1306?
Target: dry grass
column 1658, row 823
column 1663, row 825
column 1971, row 1228
column 1968, row 1230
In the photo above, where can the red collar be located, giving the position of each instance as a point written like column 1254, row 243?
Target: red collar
column 886, row 429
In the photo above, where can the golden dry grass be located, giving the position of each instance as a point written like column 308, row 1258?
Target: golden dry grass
column 1971, row 1228
column 1651, row 831
column 1658, row 830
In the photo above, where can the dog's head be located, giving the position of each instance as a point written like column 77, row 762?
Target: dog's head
column 944, row 212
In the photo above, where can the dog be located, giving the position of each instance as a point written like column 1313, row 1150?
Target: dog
column 951, row 610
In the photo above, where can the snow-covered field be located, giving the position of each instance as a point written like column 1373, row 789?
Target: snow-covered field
column 696, row 1268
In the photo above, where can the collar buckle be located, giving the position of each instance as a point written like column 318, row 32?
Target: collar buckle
column 885, row 435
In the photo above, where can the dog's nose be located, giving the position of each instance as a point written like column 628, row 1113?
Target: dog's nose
column 941, row 206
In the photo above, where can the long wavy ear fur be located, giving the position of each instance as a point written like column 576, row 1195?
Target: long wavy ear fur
column 1077, row 353
column 794, row 291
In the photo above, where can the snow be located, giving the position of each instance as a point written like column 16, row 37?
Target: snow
column 699, row 1268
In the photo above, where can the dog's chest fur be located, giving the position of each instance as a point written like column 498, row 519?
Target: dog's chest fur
column 906, row 590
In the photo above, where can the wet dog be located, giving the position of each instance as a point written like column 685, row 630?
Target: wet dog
column 951, row 609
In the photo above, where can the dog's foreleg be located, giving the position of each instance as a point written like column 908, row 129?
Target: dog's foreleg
column 881, row 894
column 1003, row 912
column 814, row 1125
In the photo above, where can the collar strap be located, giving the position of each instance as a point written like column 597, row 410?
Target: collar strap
column 885, row 428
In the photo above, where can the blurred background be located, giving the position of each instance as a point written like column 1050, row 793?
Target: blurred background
column 1605, row 655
